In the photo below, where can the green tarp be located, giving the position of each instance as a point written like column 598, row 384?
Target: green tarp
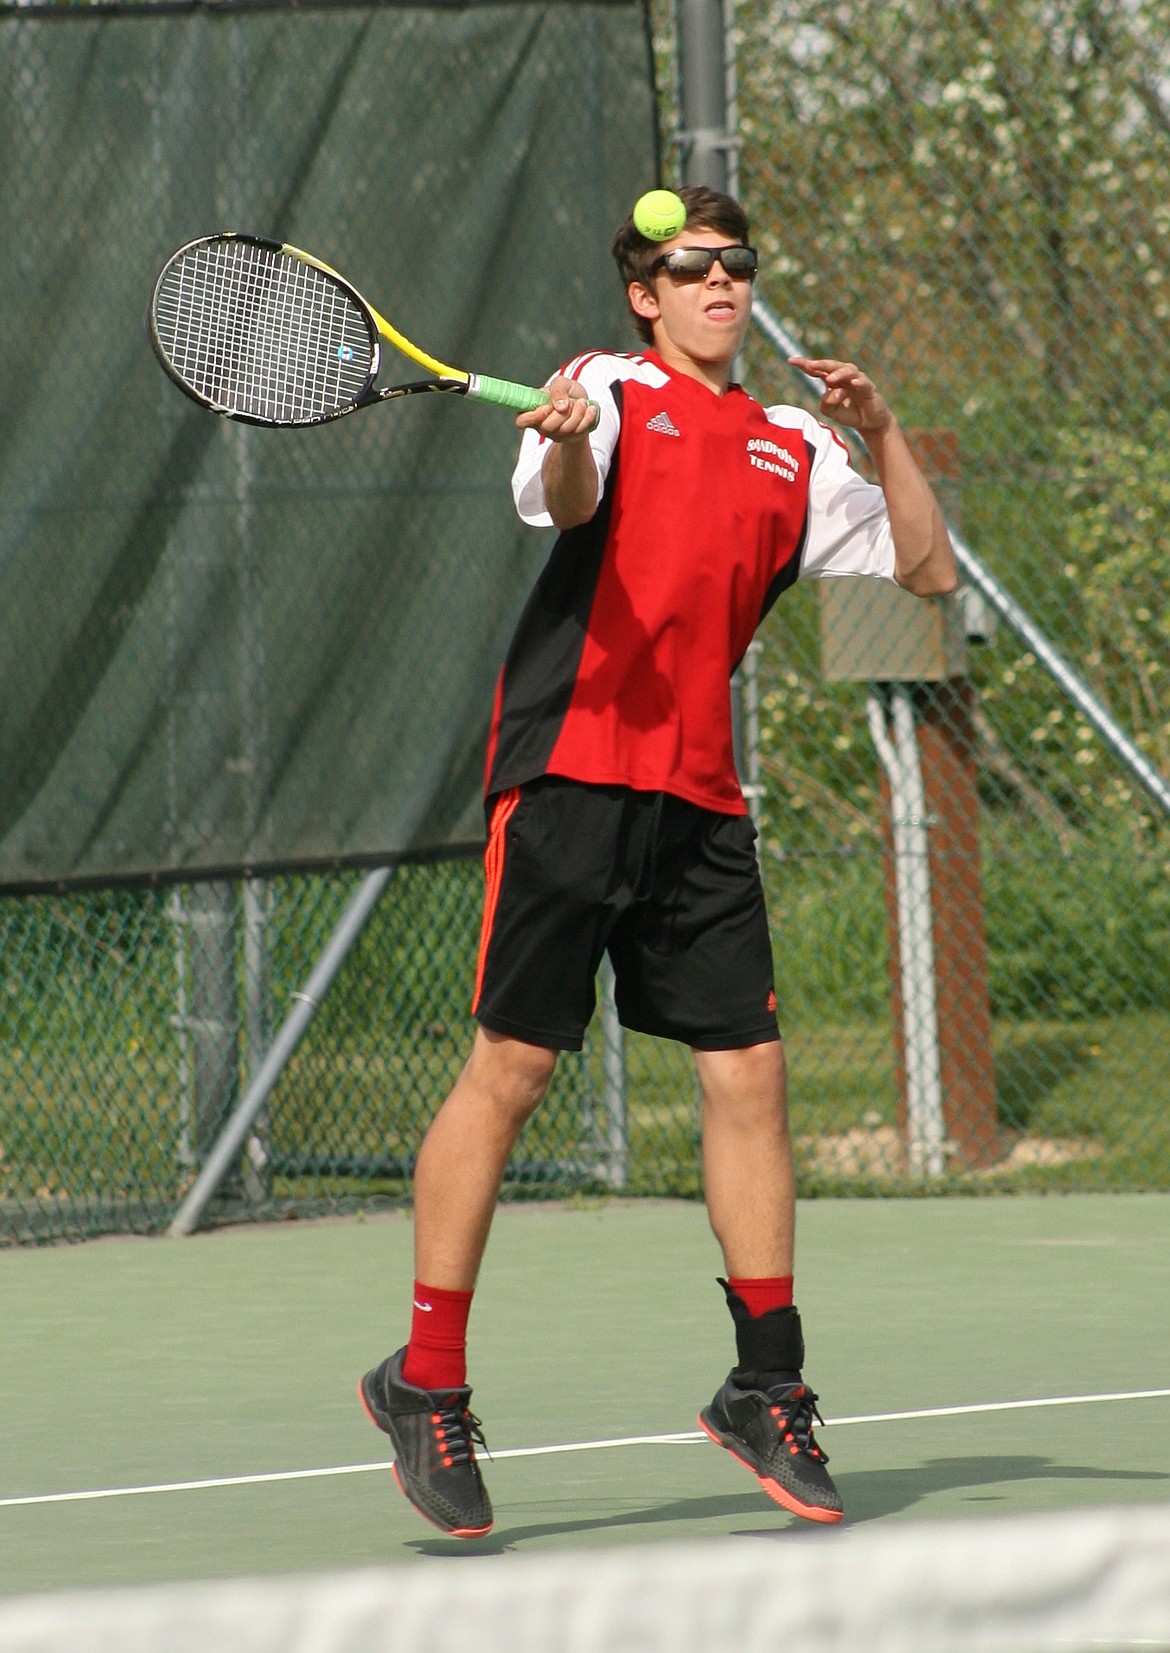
column 227, row 648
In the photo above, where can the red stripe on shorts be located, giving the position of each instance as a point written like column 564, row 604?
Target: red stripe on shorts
column 493, row 867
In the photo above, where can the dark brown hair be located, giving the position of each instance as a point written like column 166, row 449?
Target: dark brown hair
column 707, row 209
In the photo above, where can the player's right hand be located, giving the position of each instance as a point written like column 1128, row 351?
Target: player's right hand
column 567, row 416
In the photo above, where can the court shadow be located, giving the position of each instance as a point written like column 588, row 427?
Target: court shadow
column 867, row 1495
column 874, row 1492
column 676, row 1509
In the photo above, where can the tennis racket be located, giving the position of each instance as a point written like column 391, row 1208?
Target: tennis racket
column 263, row 332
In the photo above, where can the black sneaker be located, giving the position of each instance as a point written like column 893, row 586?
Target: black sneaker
column 434, row 1459
column 770, row 1432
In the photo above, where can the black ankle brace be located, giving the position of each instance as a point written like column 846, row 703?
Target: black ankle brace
column 770, row 1347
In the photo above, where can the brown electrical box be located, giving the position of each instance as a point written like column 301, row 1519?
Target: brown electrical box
column 874, row 632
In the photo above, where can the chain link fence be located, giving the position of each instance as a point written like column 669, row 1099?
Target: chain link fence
column 969, row 888
column 134, row 1022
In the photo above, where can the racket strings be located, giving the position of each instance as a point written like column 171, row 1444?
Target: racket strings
column 257, row 332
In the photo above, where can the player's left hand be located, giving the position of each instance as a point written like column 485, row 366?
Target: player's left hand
column 850, row 397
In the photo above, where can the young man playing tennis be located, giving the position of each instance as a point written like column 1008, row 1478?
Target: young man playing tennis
column 617, row 824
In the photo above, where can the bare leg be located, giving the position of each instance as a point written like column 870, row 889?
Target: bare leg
column 462, row 1159
column 747, row 1158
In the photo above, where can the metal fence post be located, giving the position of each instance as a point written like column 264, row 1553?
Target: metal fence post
column 706, row 139
column 213, row 1024
column 708, row 154
column 903, row 766
column 257, row 1172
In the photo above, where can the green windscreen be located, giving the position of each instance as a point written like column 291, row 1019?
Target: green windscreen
column 229, row 648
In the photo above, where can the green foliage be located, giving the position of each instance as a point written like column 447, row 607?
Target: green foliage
column 1081, row 937
column 1119, row 556
column 1070, row 938
column 958, row 185
column 829, row 938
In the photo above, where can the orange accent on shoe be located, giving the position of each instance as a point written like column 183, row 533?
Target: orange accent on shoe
column 366, row 1405
column 810, row 1512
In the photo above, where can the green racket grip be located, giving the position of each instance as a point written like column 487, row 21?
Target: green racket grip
column 504, row 393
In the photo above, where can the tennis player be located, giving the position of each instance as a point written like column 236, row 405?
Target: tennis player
column 616, row 823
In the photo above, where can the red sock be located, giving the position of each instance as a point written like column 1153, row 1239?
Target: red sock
column 436, row 1356
column 772, row 1292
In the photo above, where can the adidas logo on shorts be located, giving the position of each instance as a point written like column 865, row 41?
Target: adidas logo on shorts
column 664, row 423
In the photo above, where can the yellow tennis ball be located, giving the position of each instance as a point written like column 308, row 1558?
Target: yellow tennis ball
column 659, row 214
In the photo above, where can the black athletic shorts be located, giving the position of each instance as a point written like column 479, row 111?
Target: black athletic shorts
column 671, row 891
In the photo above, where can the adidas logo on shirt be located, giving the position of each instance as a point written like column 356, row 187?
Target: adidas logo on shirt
column 664, row 423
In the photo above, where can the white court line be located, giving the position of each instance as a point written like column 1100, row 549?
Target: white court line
column 685, row 1438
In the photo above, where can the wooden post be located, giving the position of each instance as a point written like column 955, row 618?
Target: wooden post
column 966, row 1066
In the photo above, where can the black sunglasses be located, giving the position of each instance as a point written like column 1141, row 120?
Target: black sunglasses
column 696, row 263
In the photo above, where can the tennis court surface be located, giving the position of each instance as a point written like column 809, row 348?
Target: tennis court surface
column 975, row 1358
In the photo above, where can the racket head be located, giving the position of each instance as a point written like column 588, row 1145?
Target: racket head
column 249, row 329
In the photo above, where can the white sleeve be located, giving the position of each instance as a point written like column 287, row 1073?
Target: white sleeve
column 595, row 373
column 848, row 524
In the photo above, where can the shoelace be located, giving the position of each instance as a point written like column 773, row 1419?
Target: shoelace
column 455, row 1428
column 794, row 1412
